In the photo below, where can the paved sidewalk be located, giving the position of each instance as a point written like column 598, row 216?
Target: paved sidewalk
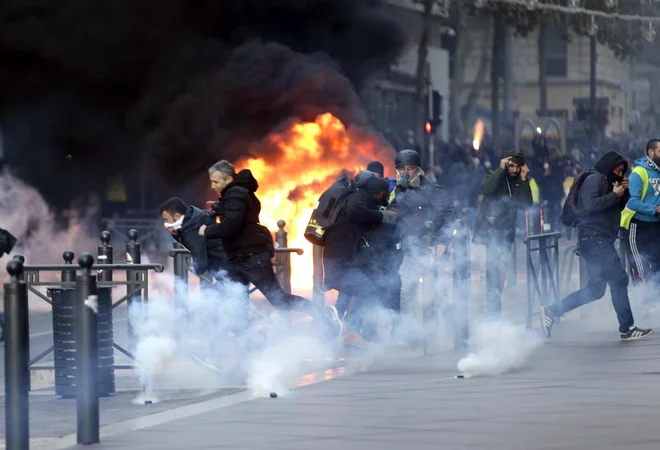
column 583, row 390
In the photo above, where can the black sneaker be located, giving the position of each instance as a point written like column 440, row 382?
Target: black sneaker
column 547, row 321
column 334, row 325
column 635, row 333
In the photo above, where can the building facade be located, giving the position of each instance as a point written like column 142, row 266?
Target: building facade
column 567, row 71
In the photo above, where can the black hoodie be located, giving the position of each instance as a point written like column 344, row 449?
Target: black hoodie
column 238, row 209
column 600, row 205
column 343, row 238
column 207, row 254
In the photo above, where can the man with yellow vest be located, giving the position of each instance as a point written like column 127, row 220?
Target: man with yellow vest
column 641, row 217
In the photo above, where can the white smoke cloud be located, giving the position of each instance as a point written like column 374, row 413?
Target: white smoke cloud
column 25, row 214
column 498, row 347
column 265, row 358
column 40, row 238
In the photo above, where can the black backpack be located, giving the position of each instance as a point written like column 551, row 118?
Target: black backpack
column 571, row 213
column 327, row 210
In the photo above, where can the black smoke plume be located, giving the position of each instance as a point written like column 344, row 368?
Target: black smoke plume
column 91, row 89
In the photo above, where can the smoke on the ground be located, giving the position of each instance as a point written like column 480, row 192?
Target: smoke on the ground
column 197, row 347
column 498, row 347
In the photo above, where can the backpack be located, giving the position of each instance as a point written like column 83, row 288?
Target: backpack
column 571, row 213
column 327, row 210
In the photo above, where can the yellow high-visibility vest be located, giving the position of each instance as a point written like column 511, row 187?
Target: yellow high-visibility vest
column 627, row 214
column 535, row 191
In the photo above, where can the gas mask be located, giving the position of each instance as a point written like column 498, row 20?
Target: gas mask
column 406, row 181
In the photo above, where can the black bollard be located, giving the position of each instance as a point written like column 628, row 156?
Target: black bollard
column 21, row 259
column 180, row 279
column 105, row 256
column 87, row 353
column 17, row 360
column 69, row 274
column 133, row 257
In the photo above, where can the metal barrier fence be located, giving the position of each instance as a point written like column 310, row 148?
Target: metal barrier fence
column 137, row 293
column 17, row 345
column 543, row 276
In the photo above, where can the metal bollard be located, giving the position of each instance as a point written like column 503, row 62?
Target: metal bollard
column 133, row 257
column 180, row 279
column 21, row 259
column 318, row 296
column 17, row 360
column 104, row 252
column 69, row 274
column 461, row 286
column 283, row 260
column 512, row 269
column 87, row 353
column 429, row 286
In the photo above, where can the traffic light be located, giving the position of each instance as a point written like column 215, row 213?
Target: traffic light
column 428, row 127
column 433, row 110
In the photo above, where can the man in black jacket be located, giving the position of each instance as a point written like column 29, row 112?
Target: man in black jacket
column 183, row 223
column 417, row 201
column 600, row 199
column 505, row 191
column 342, row 270
column 249, row 245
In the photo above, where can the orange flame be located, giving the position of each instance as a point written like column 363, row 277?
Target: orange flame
column 478, row 134
column 298, row 165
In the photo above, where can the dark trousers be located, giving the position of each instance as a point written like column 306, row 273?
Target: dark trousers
column 644, row 249
column 604, row 267
column 497, row 256
column 258, row 270
column 355, row 283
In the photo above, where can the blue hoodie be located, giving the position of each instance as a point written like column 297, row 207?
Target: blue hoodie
column 645, row 209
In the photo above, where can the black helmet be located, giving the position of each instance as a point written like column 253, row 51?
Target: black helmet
column 407, row 158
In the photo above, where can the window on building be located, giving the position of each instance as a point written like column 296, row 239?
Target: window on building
column 554, row 113
column 556, row 57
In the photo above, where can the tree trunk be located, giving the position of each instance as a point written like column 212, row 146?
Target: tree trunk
column 543, row 70
column 458, row 74
column 507, row 100
column 495, row 72
column 480, row 79
column 421, row 79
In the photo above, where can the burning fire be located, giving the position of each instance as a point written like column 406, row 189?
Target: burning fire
column 298, row 165
column 478, row 134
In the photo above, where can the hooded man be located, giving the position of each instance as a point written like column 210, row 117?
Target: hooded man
column 505, row 191
column 417, row 202
column 249, row 245
column 342, row 270
column 377, row 168
column 641, row 217
column 600, row 199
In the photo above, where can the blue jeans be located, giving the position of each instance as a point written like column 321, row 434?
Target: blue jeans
column 604, row 267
